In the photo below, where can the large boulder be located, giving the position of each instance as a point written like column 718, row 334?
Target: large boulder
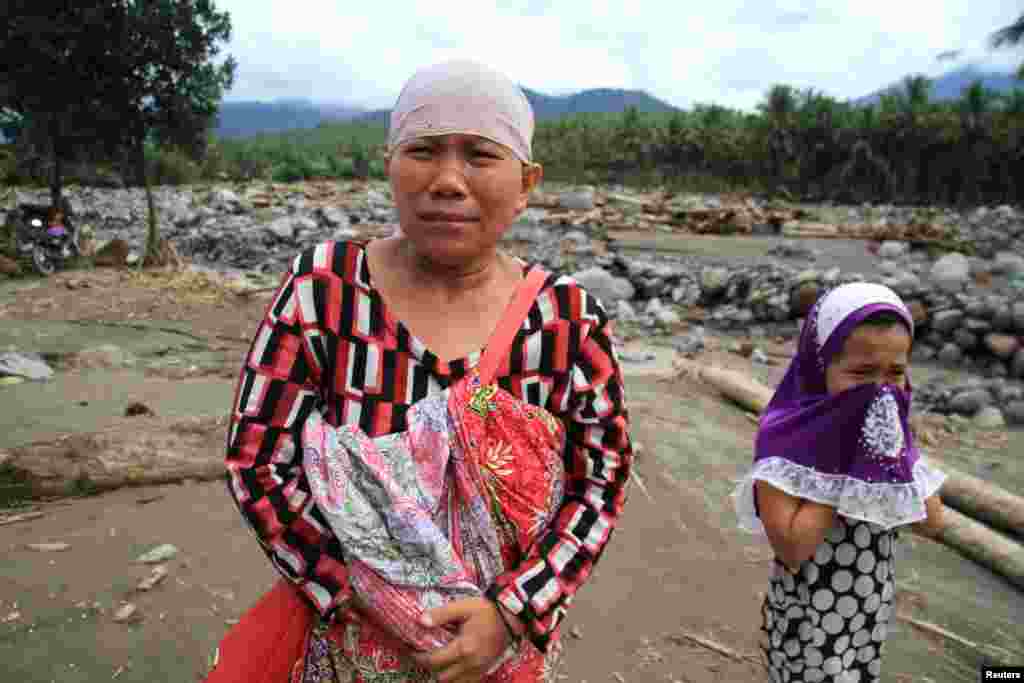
column 951, row 272
column 605, row 286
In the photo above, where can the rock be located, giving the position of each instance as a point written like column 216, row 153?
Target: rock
column 1009, row 263
column 923, row 353
column 989, row 417
column 1013, row 412
column 1002, row 319
column 1018, row 316
column 136, row 409
column 305, row 224
column 624, row 311
column 891, row 250
column 759, row 356
column 951, row 272
column 9, row 267
column 48, row 547
column 334, row 217
column 125, row 613
column 1017, row 364
column 666, row 317
column 713, row 281
column 950, row 354
column 636, row 356
column 607, row 288
column 153, row 580
column 1001, row 345
column 970, row 402
column 345, row 234
column 105, row 356
column 965, row 340
column 947, row 321
column 113, row 254
column 159, row 554
column 28, row 366
column 581, row 200
column 690, row 343
column 224, row 196
column 282, row 228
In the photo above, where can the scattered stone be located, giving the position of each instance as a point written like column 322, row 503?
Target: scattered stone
column 153, row 580
column 105, row 356
column 603, row 285
column 1009, row 263
column 947, row 321
column 576, row 633
column 49, row 547
column 125, row 613
column 950, row 354
column 136, row 409
column 1013, row 412
column 989, row 417
column 968, row 403
column 951, row 272
column 159, row 554
column 891, row 251
column 581, row 200
column 24, row 365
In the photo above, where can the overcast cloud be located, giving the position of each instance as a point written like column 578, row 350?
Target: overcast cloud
column 729, row 52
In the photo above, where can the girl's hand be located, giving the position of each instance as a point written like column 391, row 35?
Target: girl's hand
column 482, row 638
column 934, row 523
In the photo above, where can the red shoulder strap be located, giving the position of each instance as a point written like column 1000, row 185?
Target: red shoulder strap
column 503, row 335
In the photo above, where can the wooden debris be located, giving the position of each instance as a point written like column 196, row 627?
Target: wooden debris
column 24, row 517
column 985, row 649
column 714, row 646
column 49, row 547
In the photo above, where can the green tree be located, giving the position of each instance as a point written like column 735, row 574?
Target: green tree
column 53, row 74
column 163, row 83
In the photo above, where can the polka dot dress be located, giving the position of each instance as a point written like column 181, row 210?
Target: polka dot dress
column 828, row 622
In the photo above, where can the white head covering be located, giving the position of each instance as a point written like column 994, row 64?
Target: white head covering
column 845, row 299
column 463, row 97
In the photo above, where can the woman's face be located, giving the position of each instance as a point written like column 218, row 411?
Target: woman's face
column 872, row 354
column 456, row 194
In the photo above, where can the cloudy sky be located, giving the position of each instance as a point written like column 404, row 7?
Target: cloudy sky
column 729, row 52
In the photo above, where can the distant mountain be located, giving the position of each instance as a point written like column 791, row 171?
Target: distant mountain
column 595, row 101
column 242, row 119
column 950, row 86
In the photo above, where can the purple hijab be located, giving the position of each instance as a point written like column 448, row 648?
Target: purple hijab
column 854, row 450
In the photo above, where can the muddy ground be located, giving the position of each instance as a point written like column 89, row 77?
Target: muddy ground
column 675, row 569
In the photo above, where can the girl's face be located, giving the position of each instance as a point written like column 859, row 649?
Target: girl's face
column 872, row 354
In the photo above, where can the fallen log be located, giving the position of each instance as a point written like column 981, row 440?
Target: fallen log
column 974, row 496
column 983, row 501
column 153, row 453
column 989, row 548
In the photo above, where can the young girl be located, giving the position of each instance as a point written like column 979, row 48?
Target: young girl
column 835, row 474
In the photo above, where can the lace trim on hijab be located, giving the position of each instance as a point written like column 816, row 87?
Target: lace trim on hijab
column 888, row 505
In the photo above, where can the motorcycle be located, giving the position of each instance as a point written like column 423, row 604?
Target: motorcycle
column 48, row 236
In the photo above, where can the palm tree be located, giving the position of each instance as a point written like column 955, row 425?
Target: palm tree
column 1011, row 36
column 780, row 107
column 974, row 107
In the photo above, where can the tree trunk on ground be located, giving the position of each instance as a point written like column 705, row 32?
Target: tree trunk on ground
column 983, row 545
column 160, row 453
